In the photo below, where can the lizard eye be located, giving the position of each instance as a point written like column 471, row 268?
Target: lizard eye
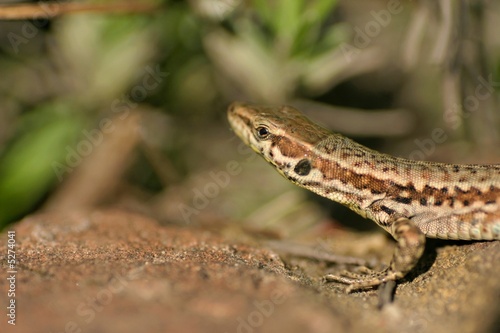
column 263, row 132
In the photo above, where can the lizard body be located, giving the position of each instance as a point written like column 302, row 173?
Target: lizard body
column 409, row 199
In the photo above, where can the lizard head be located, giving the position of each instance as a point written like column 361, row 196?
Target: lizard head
column 281, row 135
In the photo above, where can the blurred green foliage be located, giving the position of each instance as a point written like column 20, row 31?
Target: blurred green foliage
column 91, row 60
column 26, row 171
column 298, row 24
column 66, row 77
column 271, row 49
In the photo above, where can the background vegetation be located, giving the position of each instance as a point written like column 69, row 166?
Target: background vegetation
column 109, row 108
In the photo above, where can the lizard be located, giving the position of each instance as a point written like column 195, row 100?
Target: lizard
column 410, row 199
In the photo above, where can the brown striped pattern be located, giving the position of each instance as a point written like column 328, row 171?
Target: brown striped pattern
column 375, row 185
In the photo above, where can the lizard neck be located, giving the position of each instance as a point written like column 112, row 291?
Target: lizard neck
column 347, row 172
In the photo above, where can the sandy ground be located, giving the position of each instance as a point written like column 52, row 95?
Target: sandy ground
column 112, row 271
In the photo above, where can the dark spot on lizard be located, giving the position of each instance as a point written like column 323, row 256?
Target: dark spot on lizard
column 303, row 167
column 403, row 200
column 452, row 202
column 345, row 155
column 387, row 210
column 423, row 201
column 312, row 184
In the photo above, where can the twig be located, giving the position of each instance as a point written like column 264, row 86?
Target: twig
column 43, row 10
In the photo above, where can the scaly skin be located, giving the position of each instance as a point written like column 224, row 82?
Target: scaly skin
column 409, row 199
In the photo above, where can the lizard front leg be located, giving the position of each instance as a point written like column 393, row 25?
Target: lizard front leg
column 409, row 249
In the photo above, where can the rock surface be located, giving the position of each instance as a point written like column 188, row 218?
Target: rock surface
column 112, row 271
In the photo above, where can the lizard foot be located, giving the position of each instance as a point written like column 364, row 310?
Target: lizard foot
column 366, row 279
column 409, row 249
